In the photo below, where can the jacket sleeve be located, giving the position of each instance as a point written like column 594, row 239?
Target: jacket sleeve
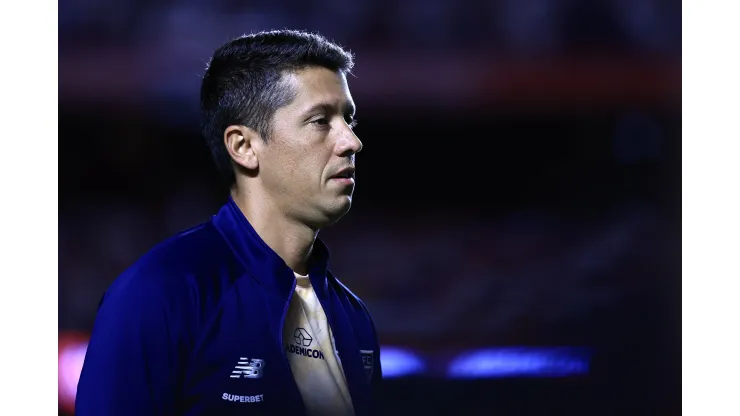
column 133, row 361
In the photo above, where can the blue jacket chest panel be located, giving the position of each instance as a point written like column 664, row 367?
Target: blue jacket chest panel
column 238, row 364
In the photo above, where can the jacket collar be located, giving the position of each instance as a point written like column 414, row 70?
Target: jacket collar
column 261, row 261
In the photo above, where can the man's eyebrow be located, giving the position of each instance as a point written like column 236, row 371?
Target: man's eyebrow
column 348, row 108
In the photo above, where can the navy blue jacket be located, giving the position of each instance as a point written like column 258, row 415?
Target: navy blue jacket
column 195, row 328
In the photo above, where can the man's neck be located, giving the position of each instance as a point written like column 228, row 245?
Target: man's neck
column 291, row 240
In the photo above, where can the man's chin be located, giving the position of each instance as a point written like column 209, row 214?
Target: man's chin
column 340, row 210
column 335, row 212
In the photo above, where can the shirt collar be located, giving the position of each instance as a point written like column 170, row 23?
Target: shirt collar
column 261, row 261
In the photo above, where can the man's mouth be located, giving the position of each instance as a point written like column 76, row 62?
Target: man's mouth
column 346, row 173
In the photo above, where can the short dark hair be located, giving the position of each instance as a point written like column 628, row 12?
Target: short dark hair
column 243, row 83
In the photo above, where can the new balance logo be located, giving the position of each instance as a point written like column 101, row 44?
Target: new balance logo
column 248, row 369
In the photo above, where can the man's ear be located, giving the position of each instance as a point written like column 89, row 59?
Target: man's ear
column 242, row 143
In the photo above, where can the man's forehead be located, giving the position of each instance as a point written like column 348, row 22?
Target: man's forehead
column 321, row 76
column 321, row 87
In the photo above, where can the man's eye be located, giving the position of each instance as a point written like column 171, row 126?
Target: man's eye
column 322, row 121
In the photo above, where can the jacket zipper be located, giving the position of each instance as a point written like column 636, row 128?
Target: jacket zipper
column 282, row 322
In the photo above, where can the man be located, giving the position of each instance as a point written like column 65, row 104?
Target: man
column 241, row 315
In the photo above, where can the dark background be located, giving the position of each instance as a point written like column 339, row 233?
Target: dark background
column 519, row 184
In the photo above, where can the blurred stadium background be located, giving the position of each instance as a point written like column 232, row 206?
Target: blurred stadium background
column 516, row 227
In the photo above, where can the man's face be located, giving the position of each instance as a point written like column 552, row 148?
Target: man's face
column 312, row 142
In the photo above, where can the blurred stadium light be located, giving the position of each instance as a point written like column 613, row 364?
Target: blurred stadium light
column 72, row 349
column 399, row 362
column 520, row 362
